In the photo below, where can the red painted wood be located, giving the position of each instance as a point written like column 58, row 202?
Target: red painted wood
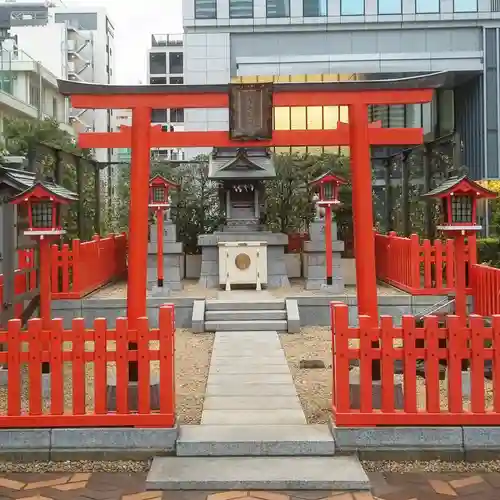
column 281, row 138
column 84, row 267
column 485, row 284
column 167, row 356
column 419, row 268
column 122, row 358
column 464, row 341
column 14, row 367
column 78, row 367
column 319, row 97
column 143, row 366
column 100, row 374
column 35, row 366
column 56, row 367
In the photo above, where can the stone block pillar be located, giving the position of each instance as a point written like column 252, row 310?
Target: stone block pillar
column 173, row 260
column 314, row 255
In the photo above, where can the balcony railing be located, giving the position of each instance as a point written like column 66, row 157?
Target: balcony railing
column 167, row 40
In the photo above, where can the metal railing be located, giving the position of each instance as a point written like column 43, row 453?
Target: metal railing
column 167, row 40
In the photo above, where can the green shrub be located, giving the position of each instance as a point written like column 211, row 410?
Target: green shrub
column 488, row 251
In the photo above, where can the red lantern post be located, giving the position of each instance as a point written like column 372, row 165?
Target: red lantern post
column 328, row 186
column 458, row 197
column 44, row 201
column 159, row 201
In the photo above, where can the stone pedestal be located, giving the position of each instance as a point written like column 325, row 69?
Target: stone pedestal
column 173, row 260
column 315, row 257
column 276, row 243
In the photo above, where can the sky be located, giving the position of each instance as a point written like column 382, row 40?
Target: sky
column 135, row 22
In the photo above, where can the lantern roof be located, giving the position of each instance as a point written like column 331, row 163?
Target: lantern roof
column 22, row 181
column 159, row 180
column 328, row 178
column 41, row 189
column 241, row 164
column 460, row 185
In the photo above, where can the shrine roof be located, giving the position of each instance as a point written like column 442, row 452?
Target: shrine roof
column 426, row 81
column 241, row 163
column 462, row 184
column 24, row 181
column 328, row 177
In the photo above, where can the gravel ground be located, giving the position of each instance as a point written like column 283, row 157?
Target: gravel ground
column 77, row 466
column 314, row 386
column 193, row 353
column 431, row 466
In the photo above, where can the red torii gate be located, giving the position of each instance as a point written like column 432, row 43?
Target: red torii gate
column 357, row 134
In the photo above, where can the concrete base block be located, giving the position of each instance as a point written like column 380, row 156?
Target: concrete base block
column 355, row 394
column 112, row 443
column 198, row 318
column 403, row 443
column 337, row 286
column 25, row 445
column 257, row 473
column 46, row 385
column 292, row 316
column 160, row 291
column 133, row 396
column 4, row 376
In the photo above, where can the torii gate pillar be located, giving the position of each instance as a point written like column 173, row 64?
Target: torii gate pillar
column 362, row 208
column 138, row 217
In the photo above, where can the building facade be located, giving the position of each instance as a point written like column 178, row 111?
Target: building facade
column 166, row 67
column 318, row 40
column 29, row 90
column 77, row 44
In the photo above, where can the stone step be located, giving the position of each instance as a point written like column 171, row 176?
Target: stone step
column 245, row 326
column 244, row 305
column 255, row 440
column 339, row 473
column 258, row 314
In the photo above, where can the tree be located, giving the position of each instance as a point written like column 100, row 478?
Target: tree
column 35, row 139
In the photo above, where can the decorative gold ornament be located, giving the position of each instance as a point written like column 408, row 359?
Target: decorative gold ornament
column 242, row 261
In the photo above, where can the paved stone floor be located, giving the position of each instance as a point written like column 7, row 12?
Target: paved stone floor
column 121, row 486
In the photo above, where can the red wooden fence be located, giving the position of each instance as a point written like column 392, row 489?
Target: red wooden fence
column 419, row 268
column 485, row 283
column 426, row 401
column 77, row 399
column 23, row 281
column 84, row 267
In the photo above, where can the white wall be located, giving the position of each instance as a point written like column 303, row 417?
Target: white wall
column 45, row 44
column 206, row 61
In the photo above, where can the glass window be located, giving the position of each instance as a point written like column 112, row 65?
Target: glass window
column 205, row 9
column 158, row 63
column 352, row 7
column 159, row 116
column 176, row 115
column 176, row 62
column 389, row 7
column 278, row 8
column 465, row 6
column 315, row 8
column 81, row 20
column 159, row 80
column 240, row 8
column 427, row 6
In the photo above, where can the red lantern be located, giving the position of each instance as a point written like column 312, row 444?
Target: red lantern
column 328, row 187
column 44, row 201
column 159, row 189
column 458, row 197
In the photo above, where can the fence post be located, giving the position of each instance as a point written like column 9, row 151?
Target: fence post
column 415, row 261
column 75, row 263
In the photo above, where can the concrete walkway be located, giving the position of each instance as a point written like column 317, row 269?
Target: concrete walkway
column 249, row 382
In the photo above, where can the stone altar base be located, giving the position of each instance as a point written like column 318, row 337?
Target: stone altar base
column 173, row 261
column 315, row 257
column 355, row 393
column 277, row 276
column 133, row 393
